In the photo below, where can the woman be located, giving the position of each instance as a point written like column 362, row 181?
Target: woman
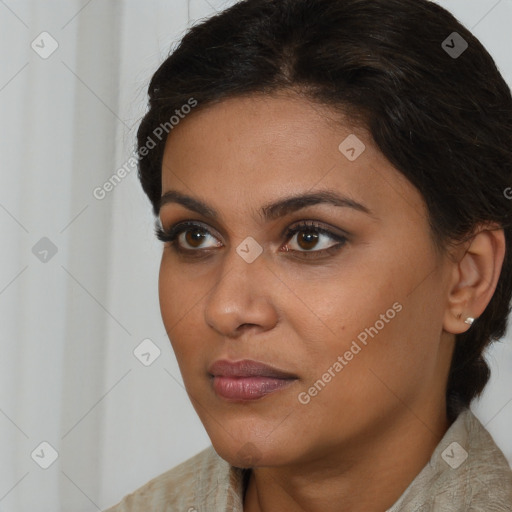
column 330, row 179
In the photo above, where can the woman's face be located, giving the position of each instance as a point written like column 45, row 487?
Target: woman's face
column 354, row 313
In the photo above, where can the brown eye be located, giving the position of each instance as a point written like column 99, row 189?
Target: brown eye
column 311, row 238
column 195, row 237
column 187, row 237
column 307, row 240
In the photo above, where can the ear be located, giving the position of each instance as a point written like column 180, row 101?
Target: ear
column 475, row 274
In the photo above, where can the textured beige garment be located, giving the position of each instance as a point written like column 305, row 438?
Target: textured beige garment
column 466, row 473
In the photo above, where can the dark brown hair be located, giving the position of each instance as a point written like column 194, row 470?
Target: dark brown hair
column 443, row 120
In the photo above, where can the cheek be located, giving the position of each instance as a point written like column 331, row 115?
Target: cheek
column 366, row 317
column 360, row 381
column 338, row 308
column 180, row 288
column 167, row 286
column 179, row 301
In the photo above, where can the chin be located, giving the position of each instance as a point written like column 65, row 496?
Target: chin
column 248, row 453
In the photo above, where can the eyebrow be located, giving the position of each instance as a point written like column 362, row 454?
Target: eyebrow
column 270, row 211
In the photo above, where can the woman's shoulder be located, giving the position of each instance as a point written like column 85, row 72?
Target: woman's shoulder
column 488, row 473
column 183, row 487
column 467, row 472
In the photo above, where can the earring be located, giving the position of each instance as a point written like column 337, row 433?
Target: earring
column 469, row 320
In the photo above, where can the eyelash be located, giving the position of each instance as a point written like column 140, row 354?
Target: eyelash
column 172, row 234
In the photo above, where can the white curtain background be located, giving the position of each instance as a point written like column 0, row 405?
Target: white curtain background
column 78, row 274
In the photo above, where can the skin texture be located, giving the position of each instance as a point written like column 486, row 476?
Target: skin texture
column 363, row 438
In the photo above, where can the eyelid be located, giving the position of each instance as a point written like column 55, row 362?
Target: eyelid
column 312, row 223
column 316, row 225
column 159, row 225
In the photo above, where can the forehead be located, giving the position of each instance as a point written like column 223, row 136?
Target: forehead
column 254, row 148
column 283, row 124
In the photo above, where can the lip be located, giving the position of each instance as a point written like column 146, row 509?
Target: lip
column 247, row 368
column 240, row 381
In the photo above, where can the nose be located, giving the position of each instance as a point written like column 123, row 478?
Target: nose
column 243, row 297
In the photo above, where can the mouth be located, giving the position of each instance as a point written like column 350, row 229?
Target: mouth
column 247, row 380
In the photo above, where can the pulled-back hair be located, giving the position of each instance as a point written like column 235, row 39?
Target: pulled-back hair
column 394, row 67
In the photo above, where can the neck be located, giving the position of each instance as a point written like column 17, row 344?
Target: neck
column 368, row 474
